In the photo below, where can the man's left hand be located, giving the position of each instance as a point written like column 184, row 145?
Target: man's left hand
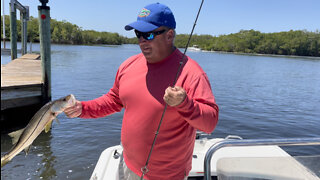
column 174, row 95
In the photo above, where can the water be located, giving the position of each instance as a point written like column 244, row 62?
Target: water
column 258, row 97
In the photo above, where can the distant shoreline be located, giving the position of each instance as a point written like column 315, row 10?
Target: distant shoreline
column 222, row 52
column 268, row 55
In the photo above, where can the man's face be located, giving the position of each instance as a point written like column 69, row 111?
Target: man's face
column 159, row 47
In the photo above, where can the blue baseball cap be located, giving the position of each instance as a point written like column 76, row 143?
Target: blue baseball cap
column 152, row 17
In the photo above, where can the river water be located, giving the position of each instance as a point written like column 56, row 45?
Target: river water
column 258, row 96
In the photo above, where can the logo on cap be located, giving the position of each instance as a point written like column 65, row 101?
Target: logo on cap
column 144, row 13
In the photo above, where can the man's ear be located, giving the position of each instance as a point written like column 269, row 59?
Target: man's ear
column 170, row 35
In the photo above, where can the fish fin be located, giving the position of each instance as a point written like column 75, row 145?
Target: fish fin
column 48, row 127
column 27, row 149
column 16, row 135
column 4, row 161
column 57, row 121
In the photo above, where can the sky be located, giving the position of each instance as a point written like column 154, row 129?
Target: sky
column 217, row 17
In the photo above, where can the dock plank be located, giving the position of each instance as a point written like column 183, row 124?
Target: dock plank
column 21, row 71
column 30, row 56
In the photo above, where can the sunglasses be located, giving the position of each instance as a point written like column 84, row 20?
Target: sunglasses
column 148, row 35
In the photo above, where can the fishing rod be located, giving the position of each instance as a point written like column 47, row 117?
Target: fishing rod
column 144, row 169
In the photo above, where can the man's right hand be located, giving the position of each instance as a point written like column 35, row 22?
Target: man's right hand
column 74, row 111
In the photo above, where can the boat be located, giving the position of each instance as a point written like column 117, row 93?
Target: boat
column 194, row 48
column 231, row 158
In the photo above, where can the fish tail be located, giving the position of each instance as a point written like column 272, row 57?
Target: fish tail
column 4, row 160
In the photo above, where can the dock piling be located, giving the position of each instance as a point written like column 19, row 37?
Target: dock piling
column 13, row 30
column 24, row 14
column 45, row 48
column 3, row 25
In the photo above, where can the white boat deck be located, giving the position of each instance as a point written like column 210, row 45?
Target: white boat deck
column 263, row 168
column 245, row 162
column 202, row 146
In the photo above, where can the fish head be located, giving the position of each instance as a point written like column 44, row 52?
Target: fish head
column 63, row 103
column 70, row 100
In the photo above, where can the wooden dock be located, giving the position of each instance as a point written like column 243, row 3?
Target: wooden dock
column 22, row 91
column 21, row 82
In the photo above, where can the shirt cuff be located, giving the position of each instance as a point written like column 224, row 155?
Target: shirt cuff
column 82, row 114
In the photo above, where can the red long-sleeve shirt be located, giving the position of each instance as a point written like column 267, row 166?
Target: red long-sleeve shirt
column 139, row 88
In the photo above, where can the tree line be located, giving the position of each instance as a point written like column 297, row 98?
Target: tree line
column 299, row 42
column 63, row 32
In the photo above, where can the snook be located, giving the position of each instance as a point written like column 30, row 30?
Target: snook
column 22, row 139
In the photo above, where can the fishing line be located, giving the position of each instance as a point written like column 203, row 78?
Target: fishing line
column 144, row 169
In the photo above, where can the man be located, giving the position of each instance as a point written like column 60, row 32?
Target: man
column 143, row 85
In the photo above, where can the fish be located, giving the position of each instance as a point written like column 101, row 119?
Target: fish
column 42, row 120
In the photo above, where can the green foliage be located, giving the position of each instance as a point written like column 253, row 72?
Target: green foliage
column 33, row 30
column 300, row 43
column 63, row 32
column 7, row 27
